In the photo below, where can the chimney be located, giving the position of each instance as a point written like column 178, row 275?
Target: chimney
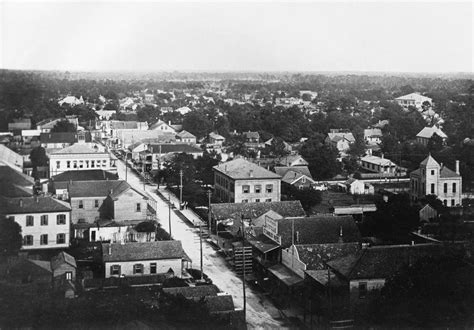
column 457, row 167
column 36, row 199
column 383, row 156
column 251, row 173
column 45, row 188
column 21, row 202
column 110, row 249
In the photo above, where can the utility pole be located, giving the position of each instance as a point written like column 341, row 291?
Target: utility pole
column 209, row 193
column 200, row 245
column 243, row 274
column 126, row 167
column 180, row 188
column 169, row 212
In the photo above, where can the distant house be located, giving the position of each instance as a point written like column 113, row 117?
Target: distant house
column 105, row 199
column 340, row 139
column 105, row 114
column 427, row 213
column 431, row 178
column 252, row 140
column 71, row 101
column 58, row 184
column 117, row 232
column 64, row 267
column 183, row 110
column 298, row 176
column 45, row 126
column 365, row 272
column 232, row 213
column 414, row 99
column 19, row 124
column 292, row 160
column 157, row 153
column 186, row 137
column 373, row 135
column 377, row 164
column 216, row 140
column 59, row 140
column 45, row 221
column 358, row 187
column 138, row 259
column 162, row 127
column 80, row 157
column 287, row 146
column 424, row 136
column 240, row 181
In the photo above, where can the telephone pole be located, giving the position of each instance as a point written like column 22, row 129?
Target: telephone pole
column 243, row 274
column 209, row 194
column 200, row 245
column 180, row 188
column 169, row 212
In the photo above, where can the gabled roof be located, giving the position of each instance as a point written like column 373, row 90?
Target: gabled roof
column 166, row 148
column 79, row 148
column 101, row 188
column 377, row 160
column 240, row 168
column 427, row 132
column 339, row 136
column 217, row 304
column 413, row 96
column 185, row 134
column 62, row 258
column 158, row 124
column 84, row 175
column 372, row 132
column 117, row 124
column 282, row 170
column 290, row 159
column 319, row 229
column 315, row 256
column 216, row 136
column 429, row 161
column 381, row 261
column 37, row 204
column 224, row 211
column 157, row 250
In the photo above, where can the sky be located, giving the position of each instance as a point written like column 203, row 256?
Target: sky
column 237, row 36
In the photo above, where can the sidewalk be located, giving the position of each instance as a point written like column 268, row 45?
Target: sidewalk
column 187, row 213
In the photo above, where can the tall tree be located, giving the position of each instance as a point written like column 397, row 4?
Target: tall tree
column 322, row 159
column 64, row 126
column 10, row 236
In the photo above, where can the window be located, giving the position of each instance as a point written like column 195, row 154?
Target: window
column 44, row 220
column 81, row 164
column 98, row 163
column 81, row 204
column 29, row 220
column 257, row 200
column 61, row 219
column 153, row 268
column 138, row 269
column 269, row 188
column 453, row 202
column 432, row 188
column 362, row 290
column 139, row 207
column 60, row 238
column 445, row 188
column 445, row 202
column 75, row 164
column 454, row 187
column 432, row 172
column 115, row 270
column 58, row 164
column 258, row 188
column 246, row 189
column 28, row 240
column 87, row 164
column 245, row 200
column 96, row 203
column 69, row 276
column 104, row 163
column 68, row 164
column 92, row 163
column 44, row 239
column 268, row 200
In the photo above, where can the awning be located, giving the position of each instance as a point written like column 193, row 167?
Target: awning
column 263, row 244
column 285, row 275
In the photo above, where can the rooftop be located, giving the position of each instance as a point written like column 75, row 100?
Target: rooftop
column 224, row 211
column 143, row 251
column 193, row 291
column 99, row 188
column 166, row 148
column 37, row 204
column 62, row 258
column 427, row 132
column 84, row 175
column 79, row 148
column 378, row 160
column 240, row 169
column 63, row 137
column 316, row 255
